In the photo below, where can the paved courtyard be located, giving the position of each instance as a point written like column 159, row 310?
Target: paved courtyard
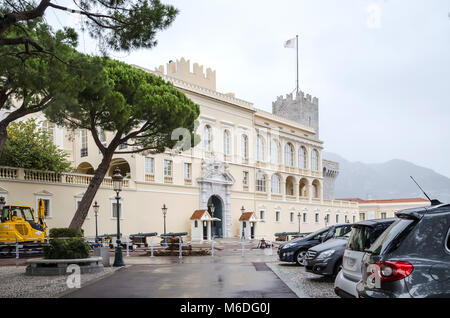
column 257, row 274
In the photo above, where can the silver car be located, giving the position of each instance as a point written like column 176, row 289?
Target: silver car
column 363, row 234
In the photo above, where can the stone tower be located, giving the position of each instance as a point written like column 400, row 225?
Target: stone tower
column 303, row 109
column 330, row 173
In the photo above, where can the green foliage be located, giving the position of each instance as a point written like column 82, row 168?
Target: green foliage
column 64, row 232
column 33, row 80
column 117, row 24
column 141, row 108
column 74, row 248
column 30, row 147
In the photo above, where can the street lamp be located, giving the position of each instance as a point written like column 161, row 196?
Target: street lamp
column 117, row 179
column 299, row 215
column 164, row 211
column 243, row 223
column 96, row 207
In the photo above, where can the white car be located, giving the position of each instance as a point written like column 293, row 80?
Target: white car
column 363, row 234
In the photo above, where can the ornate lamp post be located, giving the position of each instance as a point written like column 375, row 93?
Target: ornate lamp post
column 117, row 179
column 164, row 212
column 96, row 207
column 299, row 215
column 243, row 223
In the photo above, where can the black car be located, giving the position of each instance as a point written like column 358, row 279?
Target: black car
column 295, row 250
column 411, row 258
column 326, row 258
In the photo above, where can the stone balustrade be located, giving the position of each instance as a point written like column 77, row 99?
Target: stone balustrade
column 39, row 176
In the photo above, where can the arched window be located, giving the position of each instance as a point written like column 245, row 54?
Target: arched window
column 302, row 156
column 260, row 182
column 259, row 148
column 314, row 160
column 316, row 189
column 274, row 152
column 289, row 155
column 207, row 137
column 226, row 142
column 276, row 184
column 244, row 146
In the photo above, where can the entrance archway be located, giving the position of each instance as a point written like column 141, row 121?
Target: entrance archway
column 217, row 226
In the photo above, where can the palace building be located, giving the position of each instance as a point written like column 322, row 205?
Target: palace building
column 254, row 172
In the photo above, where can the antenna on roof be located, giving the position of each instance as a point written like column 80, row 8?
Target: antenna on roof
column 433, row 202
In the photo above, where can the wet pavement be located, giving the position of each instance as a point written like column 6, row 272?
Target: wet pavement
column 228, row 274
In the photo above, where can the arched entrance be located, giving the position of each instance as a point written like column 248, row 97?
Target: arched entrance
column 217, row 226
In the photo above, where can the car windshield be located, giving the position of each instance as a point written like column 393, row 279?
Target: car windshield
column 359, row 239
column 318, row 234
column 392, row 237
column 22, row 212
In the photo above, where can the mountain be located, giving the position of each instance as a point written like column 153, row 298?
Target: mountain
column 387, row 180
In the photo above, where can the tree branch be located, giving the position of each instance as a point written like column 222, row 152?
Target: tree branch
column 10, row 18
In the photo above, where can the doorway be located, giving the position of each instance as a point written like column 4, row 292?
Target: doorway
column 216, row 226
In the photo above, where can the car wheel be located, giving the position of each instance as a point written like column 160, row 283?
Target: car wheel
column 337, row 268
column 300, row 258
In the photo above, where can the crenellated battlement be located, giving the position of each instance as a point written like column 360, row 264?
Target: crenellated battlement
column 299, row 97
column 181, row 69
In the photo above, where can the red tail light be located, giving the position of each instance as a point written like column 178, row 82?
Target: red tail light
column 393, row 270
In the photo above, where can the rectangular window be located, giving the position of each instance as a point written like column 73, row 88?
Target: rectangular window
column 291, row 217
column 114, row 210
column 362, row 216
column 337, row 218
column 277, row 216
column 317, row 217
column 83, row 143
column 383, row 215
column 304, row 217
column 327, row 218
column 262, row 215
column 346, row 219
column 245, row 178
column 149, row 166
column 187, row 171
column 167, row 168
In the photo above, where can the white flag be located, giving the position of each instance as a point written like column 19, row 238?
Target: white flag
column 290, row 43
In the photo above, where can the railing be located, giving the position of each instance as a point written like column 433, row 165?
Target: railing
column 9, row 173
column 276, row 197
column 291, row 198
column 188, row 181
column 168, row 180
column 149, row 177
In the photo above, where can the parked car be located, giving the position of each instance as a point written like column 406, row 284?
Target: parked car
column 363, row 235
column 411, row 258
column 295, row 250
column 326, row 258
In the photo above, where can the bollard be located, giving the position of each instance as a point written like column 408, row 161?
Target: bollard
column 128, row 246
column 180, row 248
column 212, row 248
column 243, row 249
column 151, row 249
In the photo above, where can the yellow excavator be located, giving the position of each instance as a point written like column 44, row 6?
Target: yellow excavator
column 19, row 231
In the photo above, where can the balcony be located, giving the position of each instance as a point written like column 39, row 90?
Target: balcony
column 168, row 179
column 149, row 177
column 245, row 187
column 188, row 181
column 278, row 197
column 291, row 198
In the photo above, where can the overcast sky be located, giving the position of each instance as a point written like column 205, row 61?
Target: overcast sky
column 380, row 68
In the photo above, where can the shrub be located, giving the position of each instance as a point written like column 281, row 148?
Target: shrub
column 64, row 232
column 72, row 248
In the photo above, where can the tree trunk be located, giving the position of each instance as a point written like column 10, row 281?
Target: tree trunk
column 91, row 191
column 3, row 137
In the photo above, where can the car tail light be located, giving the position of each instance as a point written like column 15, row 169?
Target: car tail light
column 393, row 270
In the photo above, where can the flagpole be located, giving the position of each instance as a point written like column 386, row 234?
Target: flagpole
column 297, row 61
